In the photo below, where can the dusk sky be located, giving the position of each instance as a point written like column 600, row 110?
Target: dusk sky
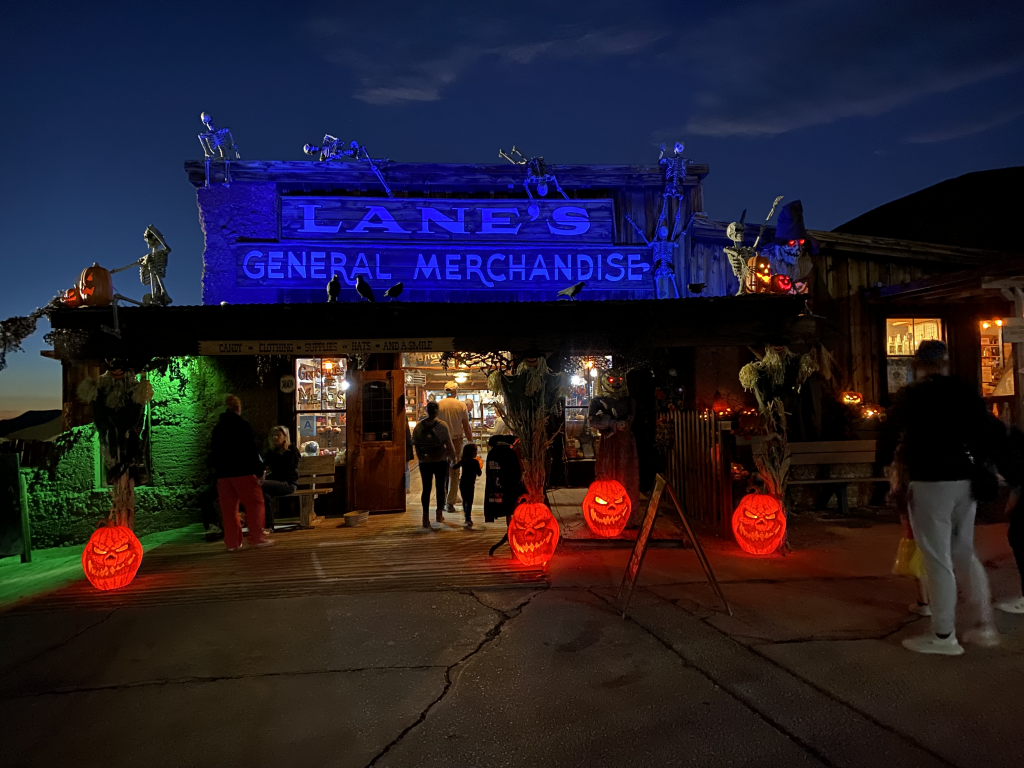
column 845, row 105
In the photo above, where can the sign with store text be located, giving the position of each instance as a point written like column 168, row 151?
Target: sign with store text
column 297, row 265
column 470, row 221
column 325, row 347
column 1013, row 330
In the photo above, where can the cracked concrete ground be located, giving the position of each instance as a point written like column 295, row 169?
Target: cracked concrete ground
column 807, row 671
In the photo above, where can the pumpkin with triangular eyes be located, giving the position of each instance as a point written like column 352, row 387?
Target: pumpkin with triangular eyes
column 533, row 533
column 759, row 274
column 96, row 286
column 112, row 557
column 606, row 507
column 759, row 523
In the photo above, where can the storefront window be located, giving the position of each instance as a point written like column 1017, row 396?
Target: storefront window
column 903, row 335
column 377, row 412
column 321, row 385
column 996, row 361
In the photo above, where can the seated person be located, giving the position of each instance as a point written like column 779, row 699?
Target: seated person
column 282, row 473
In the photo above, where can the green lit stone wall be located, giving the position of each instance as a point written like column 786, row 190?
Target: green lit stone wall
column 66, row 498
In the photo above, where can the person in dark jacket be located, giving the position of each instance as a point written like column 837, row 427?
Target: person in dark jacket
column 943, row 427
column 503, row 481
column 282, row 474
column 469, row 470
column 435, row 453
column 238, row 468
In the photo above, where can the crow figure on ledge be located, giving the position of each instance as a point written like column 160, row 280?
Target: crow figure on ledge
column 363, row 289
column 572, row 290
column 394, row 291
column 333, row 289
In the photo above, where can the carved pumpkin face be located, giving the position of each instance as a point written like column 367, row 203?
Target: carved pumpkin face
column 71, row 297
column 112, row 557
column 759, row 274
column 533, row 534
column 606, row 507
column 782, row 284
column 759, row 524
column 96, row 286
column 852, row 398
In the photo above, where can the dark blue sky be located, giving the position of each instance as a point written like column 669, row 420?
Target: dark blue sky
column 844, row 104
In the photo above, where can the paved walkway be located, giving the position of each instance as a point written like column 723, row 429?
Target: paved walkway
column 807, row 672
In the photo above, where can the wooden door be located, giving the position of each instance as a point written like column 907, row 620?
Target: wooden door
column 376, row 441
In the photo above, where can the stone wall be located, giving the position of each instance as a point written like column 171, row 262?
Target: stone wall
column 66, row 498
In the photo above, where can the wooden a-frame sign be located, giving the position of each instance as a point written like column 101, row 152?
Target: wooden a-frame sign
column 643, row 538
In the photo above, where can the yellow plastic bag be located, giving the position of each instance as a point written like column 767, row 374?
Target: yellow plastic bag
column 908, row 559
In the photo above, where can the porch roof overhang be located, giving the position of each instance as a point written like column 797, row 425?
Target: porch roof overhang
column 987, row 285
column 581, row 327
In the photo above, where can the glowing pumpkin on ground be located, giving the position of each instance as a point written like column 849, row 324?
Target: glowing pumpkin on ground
column 606, row 507
column 782, row 284
column 96, row 286
column 759, row 524
column 112, row 557
column 533, row 533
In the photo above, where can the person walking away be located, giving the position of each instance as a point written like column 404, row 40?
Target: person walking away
column 435, row 453
column 238, row 468
column 908, row 556
column 470, row 468
column 944, row 424
column 503, row 483
column 455, row 416
column 282, row 475
column 1011, row 467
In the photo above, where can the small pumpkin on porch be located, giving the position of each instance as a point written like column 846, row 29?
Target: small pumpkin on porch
column 606, row 507
column 96, row 286
column 533, row 533
column 112, row 557
column 759, row 523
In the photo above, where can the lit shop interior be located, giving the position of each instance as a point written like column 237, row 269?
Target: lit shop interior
column 322, row 384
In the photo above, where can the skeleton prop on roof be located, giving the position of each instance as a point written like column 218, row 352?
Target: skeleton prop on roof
column 152, row 268
column 118, row 402
column 753, row 266
column 536, row 173
column 334, row 148
column 612, row 414
column 665, row 239
column 218, row 144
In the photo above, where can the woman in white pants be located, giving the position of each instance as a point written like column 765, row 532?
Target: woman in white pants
column 943, row 423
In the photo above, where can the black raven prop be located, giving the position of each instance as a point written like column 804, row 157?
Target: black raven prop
column 363, row 288
column 394, row 291
column 333, row 289
column 572, row 290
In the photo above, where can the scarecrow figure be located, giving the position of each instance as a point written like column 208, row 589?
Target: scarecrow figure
column 612, row 414
column 794, row 246
column 218, row 144
column 118, row 402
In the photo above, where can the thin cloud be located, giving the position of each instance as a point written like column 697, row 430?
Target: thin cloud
column 967, row 128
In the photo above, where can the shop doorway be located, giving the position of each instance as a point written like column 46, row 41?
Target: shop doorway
column 376, row 441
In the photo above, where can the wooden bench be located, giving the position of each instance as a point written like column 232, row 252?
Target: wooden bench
column 827, row 454
column 315, row 472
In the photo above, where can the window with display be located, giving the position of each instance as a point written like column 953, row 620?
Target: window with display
column 321, row 385
column 903, row 335
column 996, row 361
column 377, row 417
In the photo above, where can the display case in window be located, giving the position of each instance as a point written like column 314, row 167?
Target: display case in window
column 321, row 384
column 996, row 361
column 903, row 335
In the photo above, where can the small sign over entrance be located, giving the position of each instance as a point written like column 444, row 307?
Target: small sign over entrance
column 325, row 346
column 1013, row 330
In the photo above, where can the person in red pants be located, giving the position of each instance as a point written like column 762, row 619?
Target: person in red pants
column 239, row 471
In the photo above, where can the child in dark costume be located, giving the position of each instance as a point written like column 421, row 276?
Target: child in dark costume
column 471, row 469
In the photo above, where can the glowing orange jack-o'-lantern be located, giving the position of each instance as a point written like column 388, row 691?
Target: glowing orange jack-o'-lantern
column 533, row 533
column 112, row 557
column 96, row 286
column 71, row 297
column 606, row 507
column 759, row 274
column 782, row 284
column 852, row 398
column 759, row 524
